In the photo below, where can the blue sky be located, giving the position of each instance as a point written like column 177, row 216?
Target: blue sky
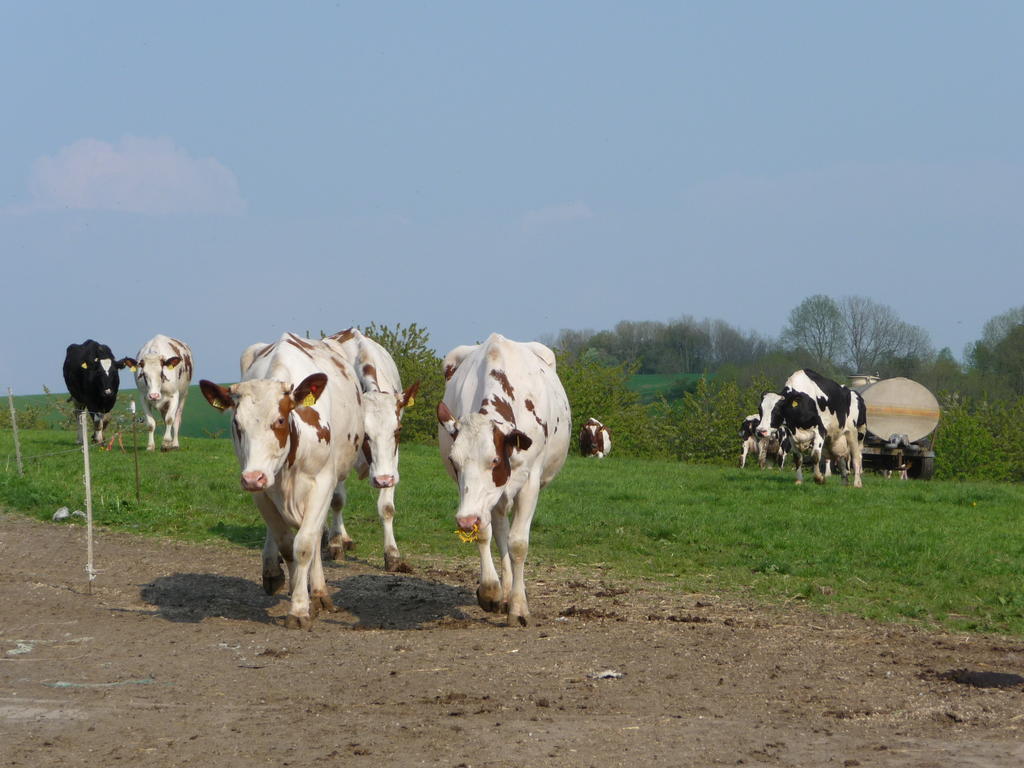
column 223, row 172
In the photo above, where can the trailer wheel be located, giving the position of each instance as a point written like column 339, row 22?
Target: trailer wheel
column 923, row 468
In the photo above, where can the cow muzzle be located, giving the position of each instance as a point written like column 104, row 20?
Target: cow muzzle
column 468, row 522
column 154, row 395
column 255, row 481
column 383, row 481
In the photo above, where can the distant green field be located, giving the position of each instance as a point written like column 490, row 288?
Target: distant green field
column 199, row 419
column 651, row 386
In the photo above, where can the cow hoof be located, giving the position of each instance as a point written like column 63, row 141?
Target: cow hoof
column 272, row 583
column 319, row 603
column 488, row 599
column 521, row 620
column 292, row 621
column 819, row 480
column 167, row 447
column 150, row 448
column 394, row 564
column 336, row 552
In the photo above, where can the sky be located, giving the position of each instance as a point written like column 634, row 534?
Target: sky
column 225, row 172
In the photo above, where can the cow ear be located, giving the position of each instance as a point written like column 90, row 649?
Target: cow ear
column 517, row 440
column 409, row 396
column 310, row 389
column 216, row 395
column 128, row 362
column 171, row 362
column 447, row 420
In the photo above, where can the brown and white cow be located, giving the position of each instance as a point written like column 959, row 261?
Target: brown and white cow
column 163, row 373
column 384, row 402
column 504, row 433
column 297, row 428
column 595, row 439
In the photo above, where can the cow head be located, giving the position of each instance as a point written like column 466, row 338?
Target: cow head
column 797, row 410
column 382, row 422
column 768, row 422
column 485, row 454
column 266, row 423
column 151, row 372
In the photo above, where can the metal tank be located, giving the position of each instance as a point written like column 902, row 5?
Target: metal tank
column 902, row 416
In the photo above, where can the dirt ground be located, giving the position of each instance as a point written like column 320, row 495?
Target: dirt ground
column 177, row 658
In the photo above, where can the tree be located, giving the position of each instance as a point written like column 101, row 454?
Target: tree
column 416, row 361
column 816, row 326
column 876, row 336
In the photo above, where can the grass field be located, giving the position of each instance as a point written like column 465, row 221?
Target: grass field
column 944, row 553
column 651, row 386
column 198, row 420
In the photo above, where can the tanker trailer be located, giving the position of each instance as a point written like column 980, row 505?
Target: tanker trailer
column 902, row 416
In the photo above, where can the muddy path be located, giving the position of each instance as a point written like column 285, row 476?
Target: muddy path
column 177, row 658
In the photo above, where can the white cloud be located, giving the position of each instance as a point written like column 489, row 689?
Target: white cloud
column 557, row 214
column 135, row 175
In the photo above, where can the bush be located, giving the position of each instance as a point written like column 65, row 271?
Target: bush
column 965, row 447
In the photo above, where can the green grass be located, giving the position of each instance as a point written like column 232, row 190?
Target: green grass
column 942, row 553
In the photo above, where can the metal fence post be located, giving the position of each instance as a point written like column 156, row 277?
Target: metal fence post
column 14, row 427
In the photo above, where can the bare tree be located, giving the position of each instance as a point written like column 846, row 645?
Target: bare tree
column 875, row 336
column 816, row 326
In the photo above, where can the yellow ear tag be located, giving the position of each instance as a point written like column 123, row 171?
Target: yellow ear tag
column 170, row 367
column 133, row 369
column 795, row 403
column 308, row 400
column 85, row 365
column 411, row 403
column 467, row 536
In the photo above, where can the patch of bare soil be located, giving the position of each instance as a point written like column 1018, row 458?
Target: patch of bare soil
column 178, row 658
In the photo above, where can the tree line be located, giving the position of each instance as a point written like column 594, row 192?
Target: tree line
column 981, row 397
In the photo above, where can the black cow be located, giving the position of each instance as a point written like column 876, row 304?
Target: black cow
column 91, row 374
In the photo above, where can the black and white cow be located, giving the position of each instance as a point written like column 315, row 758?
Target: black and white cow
column 824, row 419
column 91, row 375
column 777, row 443
column 748, row 434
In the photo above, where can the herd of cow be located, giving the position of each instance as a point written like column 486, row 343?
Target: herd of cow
column 306, row 413
column 813, row 417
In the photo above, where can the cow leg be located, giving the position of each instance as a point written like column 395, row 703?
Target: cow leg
column 338, row 540
column 499, row 519
column 147, row 411
column 818, row 456
column 170, row 408
column 488, row 593
column 798, row 464
column 277, row 544
column 179, row 408
column 311, row 500
column 519, row 544
column 856, row 458
column 743, row 455
column 762, row 453
column 386, row 513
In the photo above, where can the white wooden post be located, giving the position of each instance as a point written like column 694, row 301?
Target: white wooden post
column 14, row 427
column 83, row 419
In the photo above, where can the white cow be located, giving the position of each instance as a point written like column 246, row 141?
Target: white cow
column 504, row 433
column 384, row 402
column 163, row 373
column 297, row 428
